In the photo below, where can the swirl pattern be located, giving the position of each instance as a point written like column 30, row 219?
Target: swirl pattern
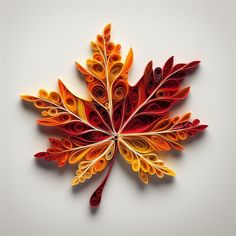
column 133, row 120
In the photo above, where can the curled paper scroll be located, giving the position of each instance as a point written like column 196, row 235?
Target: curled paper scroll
column 133, row 120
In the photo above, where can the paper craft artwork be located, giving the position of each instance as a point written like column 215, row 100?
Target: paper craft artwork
column 133, row 120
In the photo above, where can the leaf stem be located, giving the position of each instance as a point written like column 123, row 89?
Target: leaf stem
column 97, row 195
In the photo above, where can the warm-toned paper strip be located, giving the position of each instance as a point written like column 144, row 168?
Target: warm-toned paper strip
column 133, row 120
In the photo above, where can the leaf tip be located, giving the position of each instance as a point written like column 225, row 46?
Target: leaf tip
column 196, row 63
column 131, row 54
column 150, row 63
column 131, row 51
column 107, row 29
column 187, row 88
column 204, row 126
column 22, row 96
column 40, row 155
column 108, row 25
column 75, row 181
column 171, row 60
column 28, row 98
column 60, row 83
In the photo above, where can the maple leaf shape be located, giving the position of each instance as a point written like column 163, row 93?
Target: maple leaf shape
column 132, row 119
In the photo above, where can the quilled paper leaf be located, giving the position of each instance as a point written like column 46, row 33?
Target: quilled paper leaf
column 133, row 120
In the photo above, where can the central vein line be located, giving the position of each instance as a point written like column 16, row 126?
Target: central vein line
column 104, row 55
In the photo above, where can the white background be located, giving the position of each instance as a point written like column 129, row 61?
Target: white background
column 39, row 42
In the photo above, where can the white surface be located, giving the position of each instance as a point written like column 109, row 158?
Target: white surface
column 40, row 40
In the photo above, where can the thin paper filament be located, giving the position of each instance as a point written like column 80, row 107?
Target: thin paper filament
column 118, row 117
